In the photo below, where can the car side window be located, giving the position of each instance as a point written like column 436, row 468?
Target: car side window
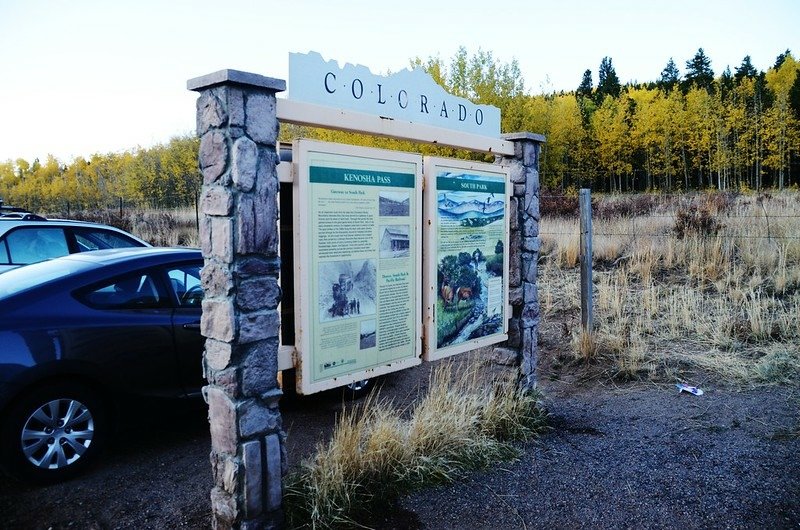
column 133, row 291
column 185, row 282
column 92, row 239
column 36, row 243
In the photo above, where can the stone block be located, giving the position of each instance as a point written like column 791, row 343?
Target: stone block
column 530, row 228
column 266, row 204
column 274, row 488
column 532, row 204
column 256, row 294
column 515, row 258
column 216, row 279
column 251, row 459
column 530, row 154
column 222, row 239
column 262, row 122
column 513, row 213
column 515, row 295
column 223, row 508
column 218, row 354
column 216, row 200
column 530, row 268
column 213, row 157
column 236, row 114
column 517, row 172
column 222, row 419
column 244, row 163
column 255, row 418
column 218, row 320
column 531, row 244
column 258, row 326
column 532, row 180
column 205, row 236
column 245, row 224
column 530, row 310
column 254, row 266
column 210, row 112
column 260, row 369
column 504, row 356
column 225, row 468
column 514, row 338
column 519, row 190
column 226, row 380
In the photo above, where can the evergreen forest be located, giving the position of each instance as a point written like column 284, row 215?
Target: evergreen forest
column 694, row 129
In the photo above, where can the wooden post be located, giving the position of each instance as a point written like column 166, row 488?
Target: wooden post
column 587, row 318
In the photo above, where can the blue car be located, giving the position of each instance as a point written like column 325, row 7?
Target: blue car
column 81, row 331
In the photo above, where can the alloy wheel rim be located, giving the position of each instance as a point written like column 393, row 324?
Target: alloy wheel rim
column 57, row 434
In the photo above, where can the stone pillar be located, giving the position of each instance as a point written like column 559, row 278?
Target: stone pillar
column 238, row 131
column 524, row 254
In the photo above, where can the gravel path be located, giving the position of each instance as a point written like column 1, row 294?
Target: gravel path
column 639, row 455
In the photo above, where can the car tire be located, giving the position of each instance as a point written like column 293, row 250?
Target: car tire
column 53, row 432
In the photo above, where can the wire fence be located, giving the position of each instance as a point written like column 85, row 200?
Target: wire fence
column 678, row 202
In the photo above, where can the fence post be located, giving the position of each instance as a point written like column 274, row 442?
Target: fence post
column 587, row 317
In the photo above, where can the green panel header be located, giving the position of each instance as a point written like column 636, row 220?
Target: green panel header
column 360, row 177
column 481, row 186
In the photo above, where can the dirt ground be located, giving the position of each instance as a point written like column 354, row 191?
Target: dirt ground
column 629, row 455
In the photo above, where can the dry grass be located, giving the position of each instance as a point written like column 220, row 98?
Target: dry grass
column 176, row 227
column 377, row 452
column 724, row 297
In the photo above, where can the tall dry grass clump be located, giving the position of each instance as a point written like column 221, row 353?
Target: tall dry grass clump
column 710, row 281
column 378, row 452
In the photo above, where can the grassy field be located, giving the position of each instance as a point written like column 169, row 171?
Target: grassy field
column 709, row 282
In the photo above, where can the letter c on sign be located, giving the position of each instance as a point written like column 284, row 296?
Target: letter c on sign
column 328, row 89
column 360, row 88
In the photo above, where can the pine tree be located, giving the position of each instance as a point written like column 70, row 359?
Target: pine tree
column 726, row 83
column 745, row 70
column 669, row 77
column 781, row 58
column 608, row 84
column 699, row 72
column 585, row 89
column 794, row 96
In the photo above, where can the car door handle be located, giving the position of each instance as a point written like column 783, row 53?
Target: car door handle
column 192, row 325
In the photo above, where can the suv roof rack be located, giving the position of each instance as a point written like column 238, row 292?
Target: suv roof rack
column 22, row 216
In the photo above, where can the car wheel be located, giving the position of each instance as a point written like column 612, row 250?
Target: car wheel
column 53, row 432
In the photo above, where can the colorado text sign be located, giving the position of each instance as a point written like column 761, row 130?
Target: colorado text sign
column 410, row 95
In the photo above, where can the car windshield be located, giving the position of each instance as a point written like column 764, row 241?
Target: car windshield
column 23, row 278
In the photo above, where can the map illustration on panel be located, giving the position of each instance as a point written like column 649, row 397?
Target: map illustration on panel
column 471, row 230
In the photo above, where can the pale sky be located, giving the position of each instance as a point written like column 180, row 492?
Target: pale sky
column 97, row 76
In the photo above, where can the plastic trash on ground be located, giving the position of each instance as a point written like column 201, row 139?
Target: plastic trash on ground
column 683, row 387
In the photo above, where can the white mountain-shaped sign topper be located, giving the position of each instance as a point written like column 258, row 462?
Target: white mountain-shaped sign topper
column 410, row 95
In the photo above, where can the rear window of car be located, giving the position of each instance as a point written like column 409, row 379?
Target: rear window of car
column 35, row 243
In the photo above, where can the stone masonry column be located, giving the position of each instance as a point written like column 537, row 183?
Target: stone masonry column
column 524, row 253
column 238, row 131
